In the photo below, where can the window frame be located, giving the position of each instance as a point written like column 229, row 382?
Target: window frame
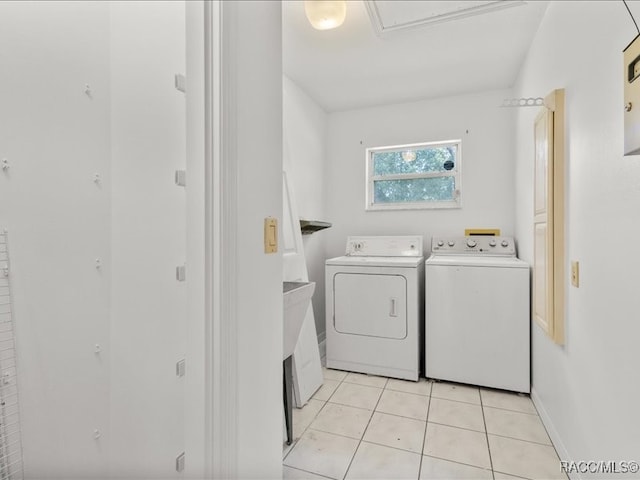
column 370, row 204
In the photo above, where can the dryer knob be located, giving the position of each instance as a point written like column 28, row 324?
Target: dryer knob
column 492, row 243
column 504, row 243
column 451, row 243
column 440, row 243
column 471, row 243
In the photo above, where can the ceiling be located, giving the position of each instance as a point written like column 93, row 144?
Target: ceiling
column 407, row 50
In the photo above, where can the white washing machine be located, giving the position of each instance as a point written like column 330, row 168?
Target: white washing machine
column 477, row 320
column 374, row 306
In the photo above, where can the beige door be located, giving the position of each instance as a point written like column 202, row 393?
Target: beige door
column 548, row 218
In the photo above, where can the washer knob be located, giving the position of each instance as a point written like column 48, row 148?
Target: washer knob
column 451, row 243
column 471, row 243
column 440, row 243
column 504, row 243
column 492, row 243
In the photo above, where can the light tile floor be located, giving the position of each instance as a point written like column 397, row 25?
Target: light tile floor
column 365, row 427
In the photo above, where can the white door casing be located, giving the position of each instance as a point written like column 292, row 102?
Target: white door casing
column 242, row 344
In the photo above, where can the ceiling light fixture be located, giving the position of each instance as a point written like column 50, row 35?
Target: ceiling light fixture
column 409, row 155
column 325, row 14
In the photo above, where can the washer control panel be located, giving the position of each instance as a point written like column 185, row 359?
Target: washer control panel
column 385, row 246
column 474, row 245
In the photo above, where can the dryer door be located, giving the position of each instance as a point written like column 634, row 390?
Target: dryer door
column 370, row 305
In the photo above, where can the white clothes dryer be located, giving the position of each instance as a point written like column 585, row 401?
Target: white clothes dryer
column 477, row 322
column 374, row 306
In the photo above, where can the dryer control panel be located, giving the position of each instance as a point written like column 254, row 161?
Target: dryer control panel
column 385, row 246
column 474, row 245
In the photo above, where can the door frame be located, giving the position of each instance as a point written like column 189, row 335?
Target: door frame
column 221, row 389
column 211, row 397
column 220, row 244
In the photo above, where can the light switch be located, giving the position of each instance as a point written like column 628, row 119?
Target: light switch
column 575, row 274
column 270, row 235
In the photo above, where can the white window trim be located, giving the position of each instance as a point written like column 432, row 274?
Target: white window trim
column 370, row 178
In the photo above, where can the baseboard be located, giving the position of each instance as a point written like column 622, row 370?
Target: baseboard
column 553, row 433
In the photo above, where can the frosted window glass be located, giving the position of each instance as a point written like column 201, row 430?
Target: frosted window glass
column 427, row 160
column 415, row 190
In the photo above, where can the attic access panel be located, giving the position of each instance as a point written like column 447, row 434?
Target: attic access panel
column 392, row 15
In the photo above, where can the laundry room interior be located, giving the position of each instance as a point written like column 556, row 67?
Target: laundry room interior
column 332, row 116
column 201, row 276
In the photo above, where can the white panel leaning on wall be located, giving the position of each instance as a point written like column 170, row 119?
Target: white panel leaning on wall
column 307, row 367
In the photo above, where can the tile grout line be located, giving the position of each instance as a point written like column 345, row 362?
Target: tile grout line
column 307, row 471
column 547, row 432
column 534, row 414
column 374, row 410
column 473, row 465
column 460, row 428
column 486, row 434
column 424, row 437
column 456, row 401
column 294, row 443
column 364, row 431
column 522, row 440
column 379, row 411
column 376, row 443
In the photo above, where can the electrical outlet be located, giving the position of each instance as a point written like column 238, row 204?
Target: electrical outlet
column 575, row 274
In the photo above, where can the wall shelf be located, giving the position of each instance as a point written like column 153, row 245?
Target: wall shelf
column 311, row 226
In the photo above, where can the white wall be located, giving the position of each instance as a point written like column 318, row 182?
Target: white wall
column 56, row 138
column 305, row 130
column 196, row 384
column 253, row 62
column 148, row 238
column 487, row 166
column 587, row 390
column 130, row 131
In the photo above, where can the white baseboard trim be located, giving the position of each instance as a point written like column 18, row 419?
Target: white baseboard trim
column 553, row 433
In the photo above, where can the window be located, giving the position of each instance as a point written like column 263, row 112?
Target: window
column 424, row 175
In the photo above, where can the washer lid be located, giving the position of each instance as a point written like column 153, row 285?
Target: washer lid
column 471, row 261
column 398, row 262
